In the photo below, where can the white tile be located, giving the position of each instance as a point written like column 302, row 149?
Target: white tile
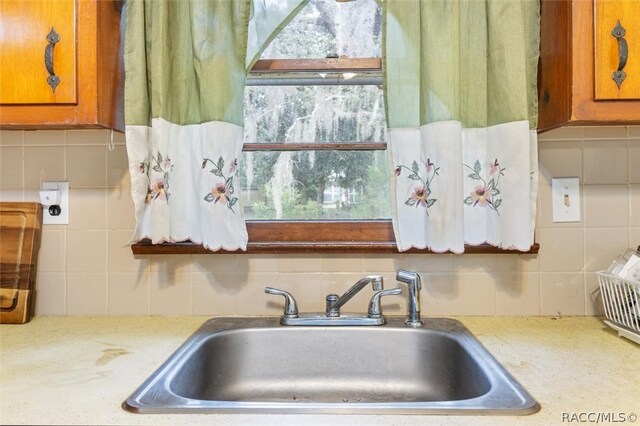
column 86, row 294
column 377, row 263
column 518, row 263
column 51, row 294
column 474, row 263
column 605, row 162
column 214, row 263
column 87, row 209
column 171, row 264
column 341, row 263
column 128, row 294
column 86, row 251
column 562, row 133
column 476, row 294
column 561, row 249
column 634, row 205
column 171, row 294
column 438, row 293
column 602, row 246
column 120, row 209
column 214, row 293
column 120, row 258
column 51, row 257
column 605, row 132
column 606, row 205
column 592, row 295
column 562, row 294
column 518, row 294
column 426, row 263
column 12, row 137
column 256, row 263
column 299, row 263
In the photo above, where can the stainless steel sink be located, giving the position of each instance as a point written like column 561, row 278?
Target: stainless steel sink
column 255, row 365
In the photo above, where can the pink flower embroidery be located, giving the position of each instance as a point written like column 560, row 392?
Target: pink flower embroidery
column 487, row 192
column 158, row 188
column 481, row 196
column 420, row 195
column 494, row 168
column 219, row 193
column 166, row 163
column 222, row 191
column 234, row 166
column 429, row 165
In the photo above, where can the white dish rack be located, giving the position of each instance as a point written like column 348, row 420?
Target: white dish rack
column 621, row 299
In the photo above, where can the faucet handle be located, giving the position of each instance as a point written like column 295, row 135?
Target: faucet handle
column 375, row 309
column 290, row 305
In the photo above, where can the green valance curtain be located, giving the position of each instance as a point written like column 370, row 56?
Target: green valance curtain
column 185, row 77
column 460, row 87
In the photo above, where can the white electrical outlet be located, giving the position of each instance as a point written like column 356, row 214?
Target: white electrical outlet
column 565, row 199
column 54, row 197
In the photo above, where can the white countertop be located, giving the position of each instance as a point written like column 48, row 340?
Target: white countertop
column 77, row 370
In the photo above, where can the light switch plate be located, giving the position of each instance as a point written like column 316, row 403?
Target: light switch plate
column 565, row 199
column 63, row 217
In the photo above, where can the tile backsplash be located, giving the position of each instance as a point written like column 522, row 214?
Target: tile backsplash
column 86, row 268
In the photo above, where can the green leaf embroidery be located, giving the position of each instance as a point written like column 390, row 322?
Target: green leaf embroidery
column 477, row 167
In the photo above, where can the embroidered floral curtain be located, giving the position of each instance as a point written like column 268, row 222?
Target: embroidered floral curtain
column 460, row 87
column 185, row 76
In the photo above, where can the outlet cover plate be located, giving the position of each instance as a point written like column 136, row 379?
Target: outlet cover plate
column 565, row 199
column 63, row 217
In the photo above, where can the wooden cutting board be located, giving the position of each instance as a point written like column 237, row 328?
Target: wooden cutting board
column 20, row 231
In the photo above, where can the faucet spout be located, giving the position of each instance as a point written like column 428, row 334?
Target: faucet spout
column 333, row 309
column 412, row 280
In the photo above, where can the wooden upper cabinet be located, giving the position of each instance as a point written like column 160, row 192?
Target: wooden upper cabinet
column 617, row 47
column 74, row 43
column 25, row 48
column 578, row 56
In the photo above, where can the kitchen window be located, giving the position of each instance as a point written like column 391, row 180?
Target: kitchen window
column 315, row 129
column 314, row 173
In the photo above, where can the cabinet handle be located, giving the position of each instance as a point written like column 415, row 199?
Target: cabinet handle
column 623, row 52
column 53, row 80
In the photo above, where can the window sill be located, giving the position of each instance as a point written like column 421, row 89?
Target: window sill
column 320, row 237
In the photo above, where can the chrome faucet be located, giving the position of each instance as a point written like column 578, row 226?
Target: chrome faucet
column 334, row 303
column 412, row 280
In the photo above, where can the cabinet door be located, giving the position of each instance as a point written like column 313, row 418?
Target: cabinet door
column 621, row 17
column 24, row 27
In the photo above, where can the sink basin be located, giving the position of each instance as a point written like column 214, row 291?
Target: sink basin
column 255, row 365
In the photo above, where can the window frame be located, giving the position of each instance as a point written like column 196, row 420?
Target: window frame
column 314, row 236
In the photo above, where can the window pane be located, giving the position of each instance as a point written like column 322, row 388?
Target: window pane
column 328, row 27
column 280, row 114
column 315, row 185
